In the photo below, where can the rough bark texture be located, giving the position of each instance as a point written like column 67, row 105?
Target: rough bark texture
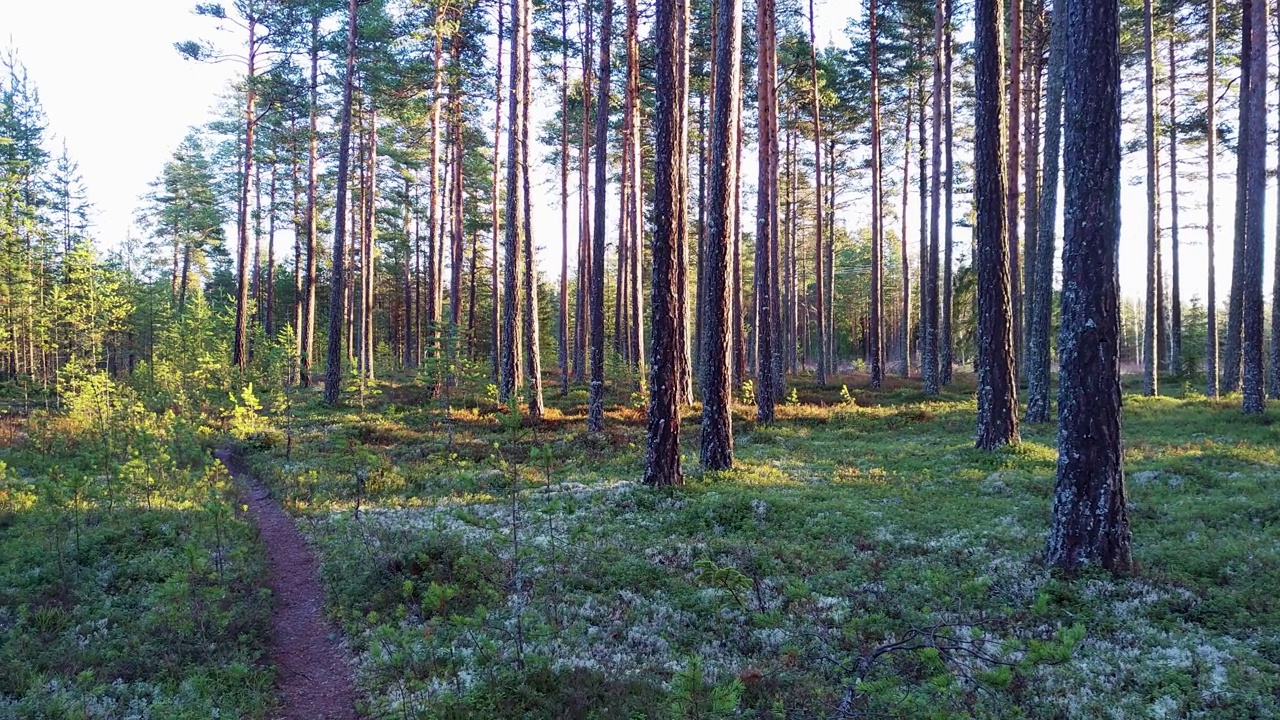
column 582, row 292
column 1230, row 380
column 513, row 237
column 1090, row 522
column 1012, row 157
column 662, row 450
column 1253, row 138
column 529, row 314
column 1211, row 152
column 635, row 210
column 717, row 393
column 1151, row 338
column 997, row 388
column 929, row 296
column 766, row 209
column 595, row 401
column 946, row 352
column 333, row 369
column 1040, row 291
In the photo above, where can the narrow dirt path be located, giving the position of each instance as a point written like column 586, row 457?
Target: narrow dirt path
column 314, row 671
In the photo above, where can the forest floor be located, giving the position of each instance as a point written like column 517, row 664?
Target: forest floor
column 312, row 668
column 861, row 557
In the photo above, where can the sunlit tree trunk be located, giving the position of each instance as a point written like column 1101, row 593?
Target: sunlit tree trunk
column 1090, row 524
column 766, row 210
column 1253, row 137
column 333, row 369
column 1211, row 152
column 662, row 452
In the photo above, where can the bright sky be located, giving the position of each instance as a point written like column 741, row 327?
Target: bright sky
column 120, row 96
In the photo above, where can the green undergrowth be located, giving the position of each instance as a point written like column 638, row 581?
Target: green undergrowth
column 130, row 585
column 862, row 558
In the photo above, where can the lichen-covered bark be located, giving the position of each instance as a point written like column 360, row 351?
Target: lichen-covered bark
column 662, row 450
column 997, row 389
column 1253, row 105
column 1090, row 522
column 1040, row 307
column 717, row 393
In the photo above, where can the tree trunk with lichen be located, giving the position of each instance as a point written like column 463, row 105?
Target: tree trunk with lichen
column 1090, row 522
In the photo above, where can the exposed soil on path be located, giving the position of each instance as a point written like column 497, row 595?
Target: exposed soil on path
column 314, row 672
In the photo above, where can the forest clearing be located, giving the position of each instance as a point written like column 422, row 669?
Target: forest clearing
column 671, row 359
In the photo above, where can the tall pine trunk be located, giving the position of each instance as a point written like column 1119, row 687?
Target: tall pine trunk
column 1151, row 340
column 997, row 383
column 495, row 352
column 1041, row 288
column 875, row 339
column 1253, row 124
column 662, row 449
column 333, row 369
column 946, row 352
column 1090, row 522
column 717, row 394
column 824, row 351
column 766, row 210
column 1211, row 152
column 595, row 400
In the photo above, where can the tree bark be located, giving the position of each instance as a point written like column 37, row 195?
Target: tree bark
column 240, row 345
column 313, row 233
column 1090, row 522
column 1175, row 301
column 595, row 401
column 1041, row 289
column 904, row 327
column 824, row 351
column 946, row 351
column 333, row 369
column 1211, row 152
column 583, row 295
column 929, row 299
column 532, row 333
column 766, row 209
column 1151, row 351
column 997, row 386
column 513, row 237
column 875, row 341
column 635, row 210
column 1011, row 176
column 495, row 353
column 717, row 393
column 1253, row 140
column 662, row 452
